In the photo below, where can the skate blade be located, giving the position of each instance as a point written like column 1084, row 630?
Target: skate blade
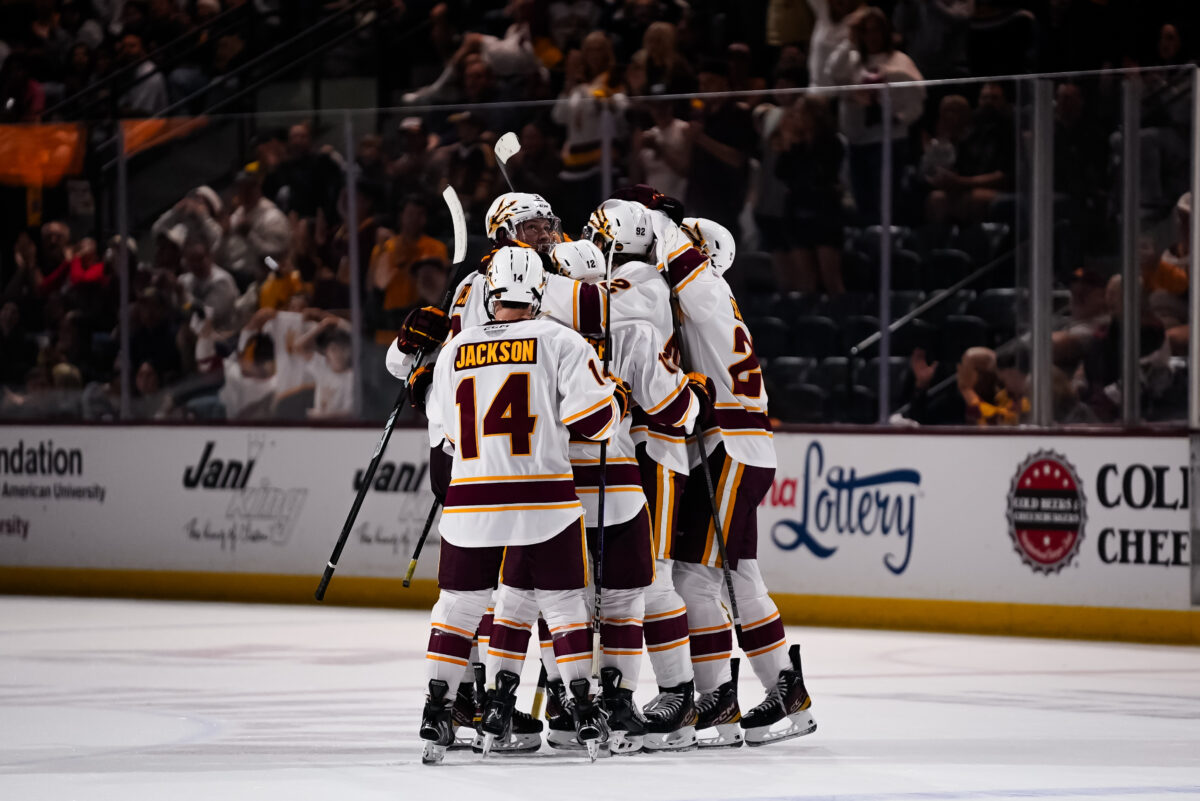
column 799, row 724
column 729, row 735
column 682, row 739
column 563, row 741
column 513, row 744
column 433, row 754
column 593, row 749
column 623, row 744
column 486, row 745
column 462, row 743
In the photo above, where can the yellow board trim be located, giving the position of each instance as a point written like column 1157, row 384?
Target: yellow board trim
column 960, row 617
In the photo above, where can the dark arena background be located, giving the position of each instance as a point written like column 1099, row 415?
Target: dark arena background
column 964, row 238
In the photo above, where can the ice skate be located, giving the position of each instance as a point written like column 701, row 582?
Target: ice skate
column 787, row 700
column 496, row 723
column 435, row 723
column 464, row 716
column 524, row 736
column 671, row 719
column 719, row 710
column 626, row 728
column 561, row 734
column 590, row 729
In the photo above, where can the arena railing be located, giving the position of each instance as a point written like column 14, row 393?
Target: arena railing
column 885, row 231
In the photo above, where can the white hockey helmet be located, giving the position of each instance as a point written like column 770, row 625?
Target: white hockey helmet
column 579, row 260
column 623, row 225
column 515, row 275
column 713, row 239
column 512, row 210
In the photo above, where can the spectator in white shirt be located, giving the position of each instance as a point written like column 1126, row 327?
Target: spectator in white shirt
column 257, row 229
column 206, row 285
column 661, row 156
column 330, row 364
column 870, row 56
column 148, row 94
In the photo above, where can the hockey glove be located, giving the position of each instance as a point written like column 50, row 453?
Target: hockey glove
column 418, row 387
column 652, row 199
column 706, row 395
column 424, row 329
column 623, row 396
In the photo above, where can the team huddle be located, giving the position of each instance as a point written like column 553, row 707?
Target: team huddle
column 560, row 412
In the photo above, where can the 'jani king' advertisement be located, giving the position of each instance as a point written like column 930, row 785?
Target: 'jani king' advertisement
column 1091, row 521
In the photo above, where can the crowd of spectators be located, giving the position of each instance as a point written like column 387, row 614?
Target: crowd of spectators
column 241, row 291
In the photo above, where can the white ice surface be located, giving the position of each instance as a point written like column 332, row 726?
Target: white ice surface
column 218, row 702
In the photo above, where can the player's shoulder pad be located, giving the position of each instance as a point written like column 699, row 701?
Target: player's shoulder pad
column 557, row 324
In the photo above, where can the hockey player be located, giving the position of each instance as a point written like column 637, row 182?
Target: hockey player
column 527, row 220
column 623, row 228
column 741, row 458
column 514, row 218
column 713, row 240
column 506, row 397
column 667, row 398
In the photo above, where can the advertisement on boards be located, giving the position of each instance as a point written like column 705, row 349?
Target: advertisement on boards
column 1076, row 521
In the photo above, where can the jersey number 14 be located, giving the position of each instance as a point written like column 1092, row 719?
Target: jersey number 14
column 507, row 414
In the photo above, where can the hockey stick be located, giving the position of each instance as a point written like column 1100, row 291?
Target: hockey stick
column 412, row 563
column 507, row 146
column 539, row 693
column 719, row 530
column 606, row 357
column 460, row 252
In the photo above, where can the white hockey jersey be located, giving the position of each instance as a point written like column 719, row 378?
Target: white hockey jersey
column 503, row 395
column 640, row 293
column 657, row 388
column 719, row 344
column 568, row 301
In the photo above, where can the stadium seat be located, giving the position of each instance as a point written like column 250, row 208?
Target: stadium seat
column 860, row 406
column 770, row 335
column 904, row 301
column 955, row 303
column 831, row 373
column 982, row 241
column 848, row 304
column 999, row 309
column 907, row 269
column 813, row 336
column 791, row 305
column 857, row 328
column 868, row 377
column 754, row 303
column 944, row 267
column 860, row 272
column 959, row 332
column 786, row 370
column 869, row 240
column 756, row 271
column 914, row 334
column 807, row 403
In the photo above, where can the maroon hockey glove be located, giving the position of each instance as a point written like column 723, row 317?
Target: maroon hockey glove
column 652, row 199
column 624, row 397
column 706, row 395
column 418, row 387
column 424, row 329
